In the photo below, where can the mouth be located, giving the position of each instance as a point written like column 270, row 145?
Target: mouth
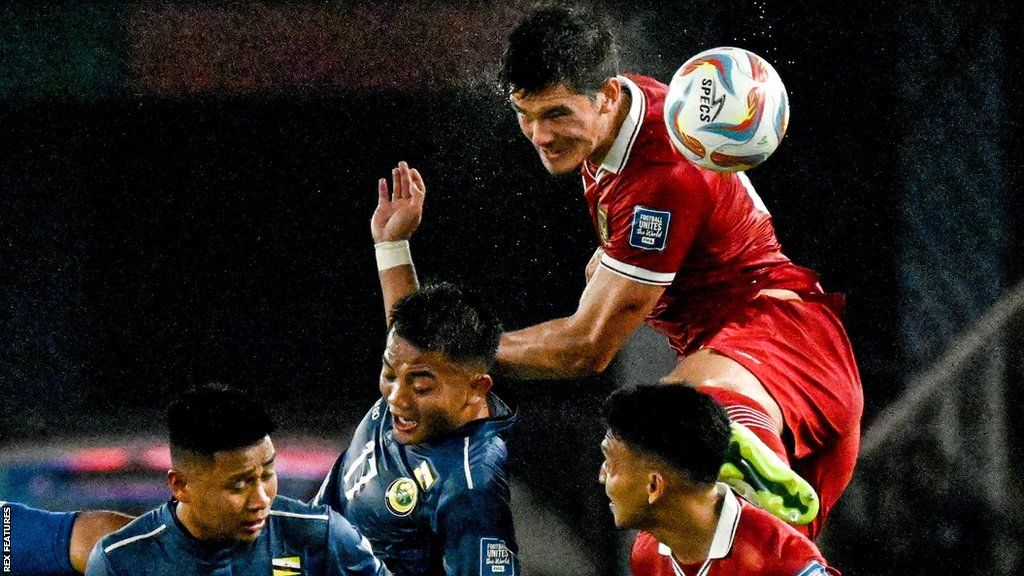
column 254, row 526
column 551, row 153
column 403, row 425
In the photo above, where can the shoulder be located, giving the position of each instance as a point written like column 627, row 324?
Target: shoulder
column 298, row 522
column 136, row 538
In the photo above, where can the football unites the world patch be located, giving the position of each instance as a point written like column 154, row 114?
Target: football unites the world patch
column 496, row 558
column 649, row 230
column 401, row 496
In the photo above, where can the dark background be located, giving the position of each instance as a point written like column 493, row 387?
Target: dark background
column 179, row 204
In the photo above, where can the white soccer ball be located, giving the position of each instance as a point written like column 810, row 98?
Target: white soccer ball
column 726, row 109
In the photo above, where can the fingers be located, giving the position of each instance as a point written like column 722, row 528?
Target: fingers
column 406, row 183
column 419, row 189
column 396, row 185
column 382, row 192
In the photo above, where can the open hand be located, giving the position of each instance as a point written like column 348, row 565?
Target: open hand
column 398, row 214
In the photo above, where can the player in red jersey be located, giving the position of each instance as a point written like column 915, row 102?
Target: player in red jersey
column 692, row 252
column 662, row 452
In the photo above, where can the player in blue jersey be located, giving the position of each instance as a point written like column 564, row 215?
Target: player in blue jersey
column 42, row 543
column 225, row 517
column 424, row 475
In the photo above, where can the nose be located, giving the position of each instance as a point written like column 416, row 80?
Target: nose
column 398, row 394
column 540, row 135
column 601, row 475
column 261, row 496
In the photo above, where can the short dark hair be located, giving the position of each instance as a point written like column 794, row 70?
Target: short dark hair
column 214, row 418
column 673, row 422
column 443, row 318
column 559, row 43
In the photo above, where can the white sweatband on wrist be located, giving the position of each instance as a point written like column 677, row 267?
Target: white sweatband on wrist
column 391, row 254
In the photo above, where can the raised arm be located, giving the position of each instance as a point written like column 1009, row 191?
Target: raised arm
column 397, row 216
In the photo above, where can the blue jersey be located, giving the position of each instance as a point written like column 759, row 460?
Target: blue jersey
column 440, row 507
column 298, row 539
column 36, row 542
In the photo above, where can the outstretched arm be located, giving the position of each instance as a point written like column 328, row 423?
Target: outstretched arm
column 397, row 216
column 89, row 528
column 611, row 308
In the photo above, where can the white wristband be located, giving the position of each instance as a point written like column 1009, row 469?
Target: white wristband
column 391, row 254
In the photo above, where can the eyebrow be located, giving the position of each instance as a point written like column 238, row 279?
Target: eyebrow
column 249, row 471
column 384, row 359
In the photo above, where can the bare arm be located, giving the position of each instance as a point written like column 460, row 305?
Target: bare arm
column 610, row 309
column 397, row 216
column 88, row 529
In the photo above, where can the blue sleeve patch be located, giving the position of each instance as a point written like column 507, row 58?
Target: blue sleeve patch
column 649, row 230
column 813, row 569
column 495, row 558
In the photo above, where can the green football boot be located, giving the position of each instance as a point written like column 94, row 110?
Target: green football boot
column 757, row 473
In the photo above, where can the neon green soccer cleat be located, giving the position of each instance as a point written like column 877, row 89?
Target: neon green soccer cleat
column 758, row 474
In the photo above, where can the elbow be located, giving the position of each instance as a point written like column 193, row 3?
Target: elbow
column 591, row 358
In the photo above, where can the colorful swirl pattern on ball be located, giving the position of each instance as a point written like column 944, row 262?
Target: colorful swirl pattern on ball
column 781, row 117
column 746, row 128
column 691, row 143
column 722, row 65
column 742, row 162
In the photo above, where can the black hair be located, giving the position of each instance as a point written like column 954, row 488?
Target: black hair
column 559, row 43
column 672, row 422
column 443, row 318
column 214, row 418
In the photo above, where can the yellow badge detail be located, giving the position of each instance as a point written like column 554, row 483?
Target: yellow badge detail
column 401, row 496
column 424, row 475
column 602, row 224
column 290, row 566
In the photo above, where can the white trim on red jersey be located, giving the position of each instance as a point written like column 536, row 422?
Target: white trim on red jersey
column 618, row 155
column 636, row 273
column 725, row 534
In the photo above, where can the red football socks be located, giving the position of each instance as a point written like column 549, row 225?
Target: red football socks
column 745, row 410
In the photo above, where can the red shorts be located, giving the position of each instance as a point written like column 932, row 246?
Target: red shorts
column 799, row 351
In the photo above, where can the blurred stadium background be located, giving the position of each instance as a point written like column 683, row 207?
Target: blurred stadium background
column 185, row 189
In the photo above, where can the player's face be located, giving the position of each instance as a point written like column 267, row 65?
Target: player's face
column 229, row 497
column 428, row 394
column 623, row 476
column 565, row 127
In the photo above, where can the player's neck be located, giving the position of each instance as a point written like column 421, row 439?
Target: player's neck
column 688, row 526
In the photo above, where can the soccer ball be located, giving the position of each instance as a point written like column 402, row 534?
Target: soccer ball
column 726, row 109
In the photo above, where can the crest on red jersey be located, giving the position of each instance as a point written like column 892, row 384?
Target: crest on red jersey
column 602, row 223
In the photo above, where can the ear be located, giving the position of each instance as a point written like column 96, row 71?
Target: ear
column 612, row 91
column 479, row 387
column 655, row 487
column 178, row 482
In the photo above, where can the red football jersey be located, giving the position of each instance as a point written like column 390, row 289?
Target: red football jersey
column 662, row 220
column 747, row 542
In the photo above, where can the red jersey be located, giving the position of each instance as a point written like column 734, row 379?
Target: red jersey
column 662, row 220
column 747, row 542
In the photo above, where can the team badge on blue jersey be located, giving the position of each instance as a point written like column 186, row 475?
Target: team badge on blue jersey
column 495, row 558
column 649, row 230
column 813, row 569
column 401, row 496
column 290, row 566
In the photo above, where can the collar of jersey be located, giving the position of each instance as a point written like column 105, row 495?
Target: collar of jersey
column 201, row 550
column 725, row 531
column 618, row 155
